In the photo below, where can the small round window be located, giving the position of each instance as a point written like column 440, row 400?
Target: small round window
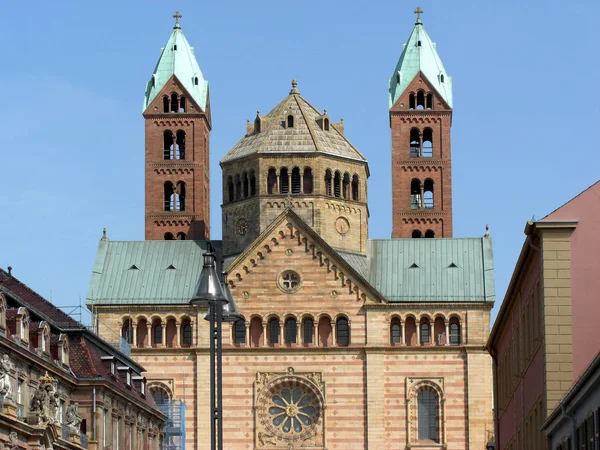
column 289, row 281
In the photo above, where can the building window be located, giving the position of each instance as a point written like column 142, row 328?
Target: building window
column 337, row 184
column 295, row 180
column 346, row 186
column 427, row 415
column 430, row 234
column 425, row 333
column 328, row 190
column 454, row 331
column 342, row 330
column 289, row 281
column 416, row 234
column 272, row 181
column 427, row 143
column 395, row 331
column 290, row 331
column 240, row 332
column 308, row 331
column 290, row 121
column 274, row 331
column 355, row 187
column 104, row 420
column 127, row 330
column 284, row 181
column 20, row 392
column 187, row 334
column 157, row 333
column 428, row 193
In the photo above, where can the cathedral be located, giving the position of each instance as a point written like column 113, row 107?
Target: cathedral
column 345, row 341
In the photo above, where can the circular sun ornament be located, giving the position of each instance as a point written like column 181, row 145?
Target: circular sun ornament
column 241, row 227
column 342, row 225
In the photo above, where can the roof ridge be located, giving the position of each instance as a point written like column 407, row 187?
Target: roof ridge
column 271, row 114
column 308, row 124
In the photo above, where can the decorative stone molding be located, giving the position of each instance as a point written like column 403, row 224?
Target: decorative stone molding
column 413, row 386
column 290, row 410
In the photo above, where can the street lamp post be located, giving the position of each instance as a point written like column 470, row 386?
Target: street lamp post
column 214, row 293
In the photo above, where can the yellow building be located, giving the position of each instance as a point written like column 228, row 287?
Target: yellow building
column 374, row 343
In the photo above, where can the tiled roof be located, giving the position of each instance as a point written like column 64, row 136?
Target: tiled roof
column 35, row 302
column 306, row 135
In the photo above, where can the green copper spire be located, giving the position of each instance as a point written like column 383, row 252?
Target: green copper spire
column 177, row 58
column 420, row 54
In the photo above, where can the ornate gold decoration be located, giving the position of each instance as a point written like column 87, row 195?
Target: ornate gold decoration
column 342, row 225
column 241, row 226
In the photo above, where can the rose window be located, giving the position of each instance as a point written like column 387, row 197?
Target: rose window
column 292, row 410
column 289, row 281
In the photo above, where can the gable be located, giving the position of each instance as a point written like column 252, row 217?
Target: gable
column 420, row 82
column 174, row 85
column 290, row 233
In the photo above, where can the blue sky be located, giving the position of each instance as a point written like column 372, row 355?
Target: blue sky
column 524, row 136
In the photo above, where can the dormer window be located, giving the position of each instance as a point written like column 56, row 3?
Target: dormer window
column 418, row 43
column 44, row 336
column 23, row 324
column 175, row 47
column 63, row 349
column 2, row 311
column 143, row 387
column 442, row 78
column 195, row 81
column 398, row 78
column 113, row 371
column 326, row 124
column 290, row 121
column 127, row 371
column 128, row 378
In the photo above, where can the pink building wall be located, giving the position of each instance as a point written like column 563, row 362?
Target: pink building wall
column 585, row 276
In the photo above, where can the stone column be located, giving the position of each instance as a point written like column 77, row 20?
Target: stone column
column 418, row 324
column 447, row 333
column 302, row 182
column 264, row 334
column 315, row 334
column 422, row 187
column 149, row 343
column 333, row 339
column 298, row 326
column 278, row 191
column 178, row 334
column 402, row 333
column 420, row 144
column 134, row 342
column 281, row 336
column 248, row 343
column 163, row 328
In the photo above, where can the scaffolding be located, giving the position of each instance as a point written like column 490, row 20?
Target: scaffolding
column 174, row 435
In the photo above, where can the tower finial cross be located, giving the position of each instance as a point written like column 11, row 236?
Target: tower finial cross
column 418, row 12
column 177, row 16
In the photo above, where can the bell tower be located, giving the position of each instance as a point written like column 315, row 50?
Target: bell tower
column 177, row 135
column 420, row 100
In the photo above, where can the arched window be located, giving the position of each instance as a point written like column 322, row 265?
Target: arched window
column 342, row 330
column 165, row 104
column 273, row 331
column 252, row 183
column 395, row 331
column 346, row 185
column 420, row 100
column 230, row 192
column 324, row 332
column 427, row 415
column 157, row 331
column 425, row 332
column 290, row 330
column 415, row 195
column 257, row 125
column 239, row 332
column 308, row 330
column 256, row 332
column 284, row 181
column 181, row 236
column 428, row 193
column 160, row 396
column 174, row 103
column 429, row 101
column 418, row 43
column 182, row 104
column 411, row 101
column 186, row 332
column 127, row 330
column 439, row 331
column 295, row 180
column 180, row 196
column 427, row 142
column 328, row 182
column 337, row 184
column 326, row 124
column 195, row 81
column 355, row 187
column 168, row 236
column 430, row 234
column 272, row 181
column 168, row 192
column 415, row 143
column 416, row 234
column 180, row 147
column 168, row 144
column 290, row 121
column 308, row 181
column 245, row 184
column 454, row 331
column 171, row 333
column 238, row 187
column 142, row 333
